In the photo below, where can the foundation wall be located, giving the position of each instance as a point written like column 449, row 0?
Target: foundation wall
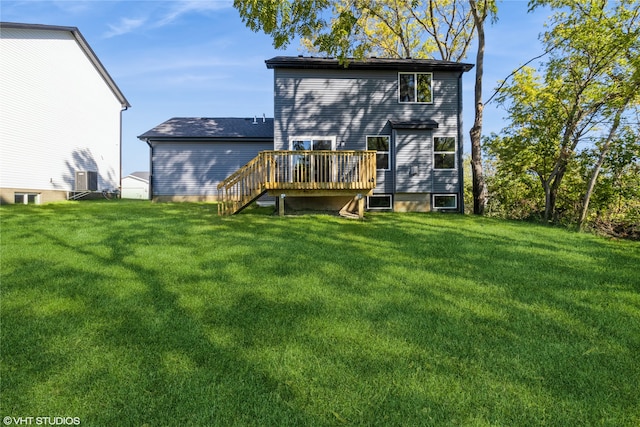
column 412, row 202
column 7, row 195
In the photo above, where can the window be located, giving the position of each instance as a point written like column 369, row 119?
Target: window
column 379, row 201
column 26, row 198
column 308, row 167
column 444, row 153
column 415, row 87
column 304, row 143
column 381, row 145
column 445, row 201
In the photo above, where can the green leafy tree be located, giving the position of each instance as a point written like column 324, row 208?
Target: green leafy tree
column 480, row 10
column 615, row 202
column 589, row 78
column 359, row 28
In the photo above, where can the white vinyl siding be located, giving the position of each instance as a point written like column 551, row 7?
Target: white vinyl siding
column 58, row 113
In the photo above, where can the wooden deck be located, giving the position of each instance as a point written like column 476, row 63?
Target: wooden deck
column 309, row 173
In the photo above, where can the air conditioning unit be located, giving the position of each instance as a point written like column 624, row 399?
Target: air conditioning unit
column 86, row 181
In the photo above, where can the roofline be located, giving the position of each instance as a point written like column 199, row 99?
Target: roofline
column 149, row 139
column 396, row 64
column 137, row 178
column 77, row 35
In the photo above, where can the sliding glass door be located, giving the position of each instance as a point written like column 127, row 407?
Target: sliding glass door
column 309, row 166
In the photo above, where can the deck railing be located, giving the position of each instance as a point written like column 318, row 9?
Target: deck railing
column 297, row 170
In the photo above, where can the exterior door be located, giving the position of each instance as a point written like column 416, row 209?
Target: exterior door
column 309, row 166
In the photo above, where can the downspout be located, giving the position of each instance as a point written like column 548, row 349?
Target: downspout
column 460, row 146
column 123, row 109
column 150, row 169
column 394, row 168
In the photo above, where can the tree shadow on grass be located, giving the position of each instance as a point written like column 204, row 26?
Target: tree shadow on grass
column 258, row 320
column 533, row 322
column 134, row 358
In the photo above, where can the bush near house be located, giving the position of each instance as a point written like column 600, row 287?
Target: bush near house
column 132, row 313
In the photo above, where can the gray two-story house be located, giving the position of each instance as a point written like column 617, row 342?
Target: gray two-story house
column 376, row 133
column 408, row 110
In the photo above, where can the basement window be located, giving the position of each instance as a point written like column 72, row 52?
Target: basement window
column 26, row 198
column 445, row 202
column 379, row 201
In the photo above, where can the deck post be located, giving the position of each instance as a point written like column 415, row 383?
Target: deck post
column 281, row 204
column 360, row 206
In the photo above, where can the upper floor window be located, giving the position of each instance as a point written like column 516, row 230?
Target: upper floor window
column 381, row 145
column 415, row 87
column 444, row 152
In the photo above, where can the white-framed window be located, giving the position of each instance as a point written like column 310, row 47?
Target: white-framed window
column 379, row 201
column 26, row 198
column 311, row 143
column 445, row 202
column 444, row 152
column 415, row 88
column 380, row 143
column 307, row 167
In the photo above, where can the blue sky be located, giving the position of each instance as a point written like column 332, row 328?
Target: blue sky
column 197, row 59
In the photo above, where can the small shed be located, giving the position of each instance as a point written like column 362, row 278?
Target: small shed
column 191, row 155
column 136, row 186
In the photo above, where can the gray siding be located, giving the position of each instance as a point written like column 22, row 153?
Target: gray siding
column 351, row 104
column 414, row 165
column 195, row 169
column 413, row 161
column 445, row 181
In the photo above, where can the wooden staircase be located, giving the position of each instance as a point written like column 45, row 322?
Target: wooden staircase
column 297, row 172
column 243, row 186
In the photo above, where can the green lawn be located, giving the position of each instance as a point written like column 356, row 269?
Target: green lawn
column 132, row 314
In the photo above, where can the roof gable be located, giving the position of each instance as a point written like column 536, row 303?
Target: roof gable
column 82, row 43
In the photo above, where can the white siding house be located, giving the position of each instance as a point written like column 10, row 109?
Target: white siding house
column 60, row 114
column 136, row 186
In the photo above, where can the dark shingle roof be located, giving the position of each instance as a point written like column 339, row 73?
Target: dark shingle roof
column 396, row 64
column 212, row 128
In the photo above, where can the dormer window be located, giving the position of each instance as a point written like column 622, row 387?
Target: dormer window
column 415, row 88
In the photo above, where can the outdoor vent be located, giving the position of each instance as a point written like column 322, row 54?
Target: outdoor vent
column 86, row 181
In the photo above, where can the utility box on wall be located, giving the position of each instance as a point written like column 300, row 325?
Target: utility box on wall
column 86, row 181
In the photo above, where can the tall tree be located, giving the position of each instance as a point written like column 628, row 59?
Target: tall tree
column 390, row 28
column 551, row 115
column 480, row 11
column 357, row 28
